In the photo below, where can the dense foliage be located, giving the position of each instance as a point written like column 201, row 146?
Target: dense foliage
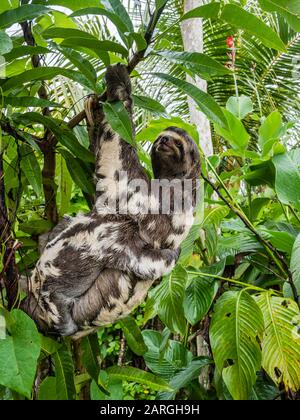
column 226, row 323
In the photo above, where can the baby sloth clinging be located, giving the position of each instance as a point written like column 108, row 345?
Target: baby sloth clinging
column 97, row 267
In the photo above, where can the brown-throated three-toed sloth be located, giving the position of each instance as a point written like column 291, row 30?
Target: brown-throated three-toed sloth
column 100, row 265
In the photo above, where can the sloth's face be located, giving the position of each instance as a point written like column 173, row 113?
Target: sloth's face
column 175, row 155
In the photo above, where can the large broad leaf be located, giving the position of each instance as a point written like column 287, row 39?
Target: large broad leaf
column 239, row 106
column 133, row 335
column 78, row 173
column 6, row 44
column 119, row 9
column 28, row 101
column 65, row 184
column 165, row 362
column 83, row 65
column 270, row 132
column 119, row 120
column 64, row 373
column 235, row 132
column 237, row 324
column 113, row 17
column 62, row 132
column 31, row 168
column 205, row 102
column 295, row 269
column 185, row 376
column 169, row 297
column 19, row 353
column 201, row 292
column 22, row 13
column 45, row 73
column 71, row 4
column 198, row 63
column 131, row 374
column 96, row 45
column 18, row 52
column 208, row 11
column 287, row 179
column 241, row 19
column 289, row 9
column 47, row 391
column 149, row 104
column 90, row 355
column 281, row 340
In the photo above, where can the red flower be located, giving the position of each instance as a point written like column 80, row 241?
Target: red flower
column 230, row 41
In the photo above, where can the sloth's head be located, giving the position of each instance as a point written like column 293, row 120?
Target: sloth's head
column 175, row 155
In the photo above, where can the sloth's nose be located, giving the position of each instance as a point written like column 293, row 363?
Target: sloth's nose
column 166, row 140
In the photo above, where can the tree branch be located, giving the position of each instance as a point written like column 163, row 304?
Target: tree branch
column 133, row 62
column 272, row 251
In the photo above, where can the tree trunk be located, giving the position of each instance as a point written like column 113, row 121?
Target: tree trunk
column 192, row 35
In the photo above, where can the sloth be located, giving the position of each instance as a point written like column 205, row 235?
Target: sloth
column 98, row 266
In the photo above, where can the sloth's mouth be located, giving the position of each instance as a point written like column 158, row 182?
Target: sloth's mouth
column 168, row 149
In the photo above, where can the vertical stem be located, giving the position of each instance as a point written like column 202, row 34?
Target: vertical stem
column 10, row 273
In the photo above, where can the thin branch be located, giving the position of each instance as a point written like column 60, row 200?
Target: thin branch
column 272, row 251
column 133, row 62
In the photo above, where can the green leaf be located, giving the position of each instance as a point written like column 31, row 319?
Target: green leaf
column 148, row 104
column 270, row 132
column 65, row 184
column 95, row 45
column 198, row 63
column 118, row 8
column 169, row 297
column 236, row 325
column 295, row 269
column 28, row 101
column 201, row 293
column 61, row 131
column 64, row 373
column 45, row 73
column 235, row 132
column 72, row 4
column 78, row 173
column 287, row 178
column 241, row 19
column 113, row 17
column 83, row 65
column 281, row 340
column 18, row 52
column 91, row 359
column 205, row 102
column 168, row 362
column 119, row 120
column 31, row 168
column 186, row 375
column 19, row 353
column 22, row 13
column 240, row 107
column 133, row 335
column 132, row 374
column 208, row 11
column 62, row 33
column 49, row 346
column 289, row 9
column 47, row 391
column 139, row 40
column 6, row 44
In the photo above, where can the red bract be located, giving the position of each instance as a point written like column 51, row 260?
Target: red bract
column 230, row 41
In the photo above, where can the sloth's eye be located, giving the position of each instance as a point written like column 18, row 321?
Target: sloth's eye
column 178, row 143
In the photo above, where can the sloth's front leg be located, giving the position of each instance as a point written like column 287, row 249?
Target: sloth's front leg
column 147, row 263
